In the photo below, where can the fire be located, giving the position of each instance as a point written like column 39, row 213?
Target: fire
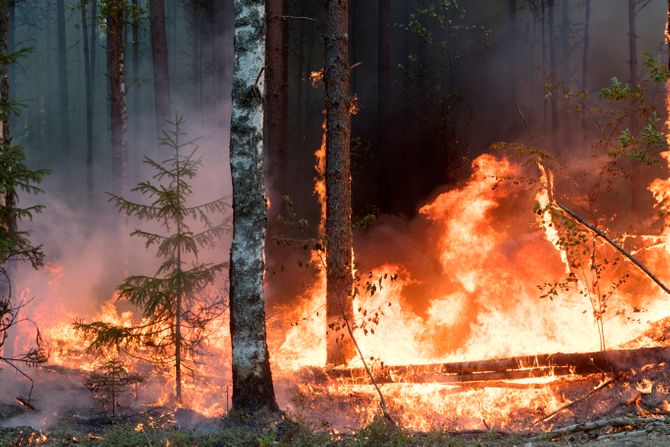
column 488, row 253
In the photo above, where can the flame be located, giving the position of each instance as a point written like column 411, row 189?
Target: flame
column 480, row 301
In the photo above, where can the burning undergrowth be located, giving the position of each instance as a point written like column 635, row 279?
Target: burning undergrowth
column 476, row 275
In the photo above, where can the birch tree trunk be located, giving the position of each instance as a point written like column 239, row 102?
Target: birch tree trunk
column 159, row 57
column 115, row 13
column 339, row 255
column 252, row 379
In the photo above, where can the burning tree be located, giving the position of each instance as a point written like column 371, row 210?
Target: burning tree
column 175, row 308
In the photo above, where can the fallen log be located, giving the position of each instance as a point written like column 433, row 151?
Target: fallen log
column 510, row 368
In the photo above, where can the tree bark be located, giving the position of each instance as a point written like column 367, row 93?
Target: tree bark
column 559, row 363
column 89, row 98
column 384, row 74
column 632, row 56
column 276, row 78
column 136, row 58
column 94, row 52
column 253, row 390
column 553, row 78
column 63, row 83
column 339, row 254
column 115, row 13
column 159, row 57
column 565, row 79
column 585, row 62
column 9, row 198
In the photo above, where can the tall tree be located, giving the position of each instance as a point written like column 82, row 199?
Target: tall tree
column 159, row 57
column 63, row 81
column 136, row 22
column 89, row 97
column 252, row 379
column 339, row 255
column 276, row 85
column 632, row 53
column 115, row 11
column 553, row 76
column 585, row 60
column 384, row 73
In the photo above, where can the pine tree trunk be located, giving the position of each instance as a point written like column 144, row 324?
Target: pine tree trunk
column 276, row 113
column 384, row 74
column 159, row 57
column 9, row 199
column 89, row 98
column 566, row 82
column 339, row 257
column 115, row 13
column 585, row 62
column 632, row 56
column 136, row 59
column 63, row 83
column 94, row 48
column 553, row 78
column 512, row 45
column 252, row 379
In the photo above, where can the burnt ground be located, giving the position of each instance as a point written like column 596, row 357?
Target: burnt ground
column 627, row 409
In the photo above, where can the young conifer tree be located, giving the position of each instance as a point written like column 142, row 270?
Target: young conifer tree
column 174, row 308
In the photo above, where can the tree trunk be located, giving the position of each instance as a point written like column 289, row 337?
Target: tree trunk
column 384, row 74
column 136, row 59
column 512, row 47
column 339, row 255
column 63, row 83
column 632, row 57
column 252, row 379
column 9, row 198
column 89, row 99
column 197, row 25
column 276, row 78
column 94, row 52
column 585, row 62
column 159, row 57
column 553, row 78
column 566, row 82
column 115, row 13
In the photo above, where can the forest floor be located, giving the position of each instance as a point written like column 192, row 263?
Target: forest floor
column 628, row 409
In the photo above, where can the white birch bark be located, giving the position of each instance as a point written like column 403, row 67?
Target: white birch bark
column 252, row 379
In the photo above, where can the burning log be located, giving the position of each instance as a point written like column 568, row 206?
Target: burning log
column 511, row 368
column 25, row 404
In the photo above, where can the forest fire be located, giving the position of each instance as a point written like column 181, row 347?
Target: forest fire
column 494, row 255
column 478, row 248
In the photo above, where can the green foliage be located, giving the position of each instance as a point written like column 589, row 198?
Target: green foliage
column 176, row 290
column 658, row 70
column 617, row 91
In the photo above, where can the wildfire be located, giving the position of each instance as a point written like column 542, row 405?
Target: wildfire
column 489, row 253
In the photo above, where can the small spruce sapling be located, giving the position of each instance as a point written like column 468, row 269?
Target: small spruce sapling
column 175, row 308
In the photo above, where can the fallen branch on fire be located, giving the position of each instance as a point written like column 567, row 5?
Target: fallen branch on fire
column 605, row 384
column 613, row 243
column 510, row 368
